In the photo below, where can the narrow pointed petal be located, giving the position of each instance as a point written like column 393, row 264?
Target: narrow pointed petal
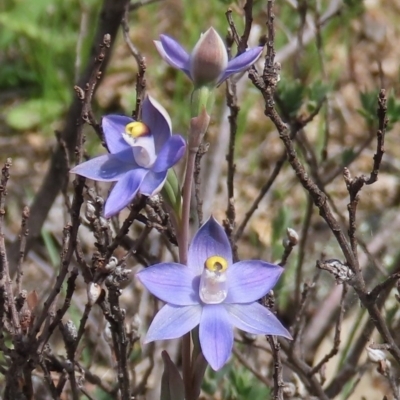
column 172, row 322
column 105, row 168
column 210, row 240
column 157, row 119
column 113, row 128
column 173, row 53
column 216, row 335
column 256, row 319
column 241, row 62
column 250, row 280
column 172, row 151
column 124, row 191
column 171, row 282
column 153, row 183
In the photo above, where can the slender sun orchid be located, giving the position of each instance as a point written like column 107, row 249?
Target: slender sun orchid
column 140, row 155
column 208, row 63
column 214, row 293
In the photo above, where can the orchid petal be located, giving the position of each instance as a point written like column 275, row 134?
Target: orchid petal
column 153, row 183
column 172, row 322
column 106, row 168
column 171, row 282
column 113, row 128
column 158, row 121
column 250, row 280
column 216, row 335
column 241, row 62
column 124, row 191
column 210, row 240
column 173, row 53
column 172, row 151
column 256, row 319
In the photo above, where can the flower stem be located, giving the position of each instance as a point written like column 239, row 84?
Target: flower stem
column 198, row 127
column 183, row 255
column 187, row 192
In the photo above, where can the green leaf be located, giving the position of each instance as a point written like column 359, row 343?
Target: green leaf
column 280, row 223
column 347, row 156
column 51, row 247
column 291, row 94
column 317, row 91
column 171, row 193
column 172, row 387
column 393, row 109
column 369, row 104
column 32, row 113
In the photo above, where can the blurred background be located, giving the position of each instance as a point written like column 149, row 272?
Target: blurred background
column 344, row 51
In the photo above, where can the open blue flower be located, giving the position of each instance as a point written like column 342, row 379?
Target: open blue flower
column 214, row 293
column 208, row 63
column 140, row 155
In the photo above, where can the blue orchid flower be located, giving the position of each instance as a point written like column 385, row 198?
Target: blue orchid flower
column 140, row 155
column 208, row 63
column 214, row 293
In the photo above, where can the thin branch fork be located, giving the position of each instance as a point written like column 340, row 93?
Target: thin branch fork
column 109, row 22
column 355, row 185
column 320, row 200
column 336, row 340
column 140, row 61
column 5, row 281
column 318, row 196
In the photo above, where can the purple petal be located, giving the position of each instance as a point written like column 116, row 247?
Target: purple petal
column 113, row 128
column 256, row 319
column 157, row 119
column 106, row 168
column 210, row 240
column 153, row 183
column 250, row 280
column 173, row 283
column 172, row 322
column 124, row 191
column 172, row 151
column 216, row 335
column 241, row 62
column 173, row 53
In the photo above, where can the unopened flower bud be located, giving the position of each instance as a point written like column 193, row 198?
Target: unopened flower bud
column 293, row 236
column 20, row 299
column 209, row 59
column 340, row 271
column 93, row 292
column 112, row 264
column 375, row 355
column 71, row 332
column 289, row 389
